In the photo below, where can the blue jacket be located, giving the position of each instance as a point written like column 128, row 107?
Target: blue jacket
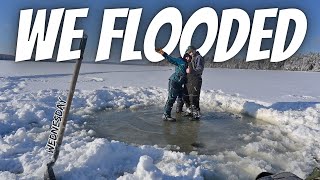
column 180, row 71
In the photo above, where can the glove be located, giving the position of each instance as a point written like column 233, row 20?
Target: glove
column 160, row 51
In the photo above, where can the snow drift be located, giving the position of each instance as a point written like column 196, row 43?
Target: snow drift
column 289, row 140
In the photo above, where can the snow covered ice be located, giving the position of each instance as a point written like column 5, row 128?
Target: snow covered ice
column 287, row 103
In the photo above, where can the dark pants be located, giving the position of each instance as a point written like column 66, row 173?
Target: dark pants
column 191, row 93
column 175, row 90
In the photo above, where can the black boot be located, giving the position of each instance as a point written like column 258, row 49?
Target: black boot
column 167, row 117
column 195, row 113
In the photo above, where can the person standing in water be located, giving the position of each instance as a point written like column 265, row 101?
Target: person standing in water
column 193, row 84
column 176, row 81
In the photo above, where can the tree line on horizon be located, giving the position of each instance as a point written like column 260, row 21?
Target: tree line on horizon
column 298, row 62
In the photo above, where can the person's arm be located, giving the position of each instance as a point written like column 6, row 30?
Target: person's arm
column 172, row 60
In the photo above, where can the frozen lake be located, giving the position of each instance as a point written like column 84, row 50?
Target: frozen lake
column 285, row 138
column 215, row 132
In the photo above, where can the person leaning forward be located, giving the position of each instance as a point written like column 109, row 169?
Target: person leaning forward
column 192, row 87
column 176, row 81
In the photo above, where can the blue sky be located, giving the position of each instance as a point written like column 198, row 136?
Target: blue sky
column 9, row 13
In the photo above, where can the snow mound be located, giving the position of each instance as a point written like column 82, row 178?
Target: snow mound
column 289, row 141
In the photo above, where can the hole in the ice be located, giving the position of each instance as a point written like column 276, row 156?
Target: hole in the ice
column 215, row 132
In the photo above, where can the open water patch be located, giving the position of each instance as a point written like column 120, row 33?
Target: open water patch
column 215, row 132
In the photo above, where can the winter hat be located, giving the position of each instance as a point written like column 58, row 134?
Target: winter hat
column 190, row 48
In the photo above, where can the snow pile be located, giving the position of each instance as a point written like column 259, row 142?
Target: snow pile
column 24, row 132
column 289, row 139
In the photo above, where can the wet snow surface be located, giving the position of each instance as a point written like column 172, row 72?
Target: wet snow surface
column 282, row 135
column 216, row 132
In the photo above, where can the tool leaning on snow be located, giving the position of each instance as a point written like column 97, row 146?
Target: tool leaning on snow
column 49, row 174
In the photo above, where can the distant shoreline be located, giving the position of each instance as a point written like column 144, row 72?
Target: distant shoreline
column 298, row 62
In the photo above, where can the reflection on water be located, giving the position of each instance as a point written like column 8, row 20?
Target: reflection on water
column 215, row 132
column 183, row 134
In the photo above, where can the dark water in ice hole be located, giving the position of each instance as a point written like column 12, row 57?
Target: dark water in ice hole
column 215, row 132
